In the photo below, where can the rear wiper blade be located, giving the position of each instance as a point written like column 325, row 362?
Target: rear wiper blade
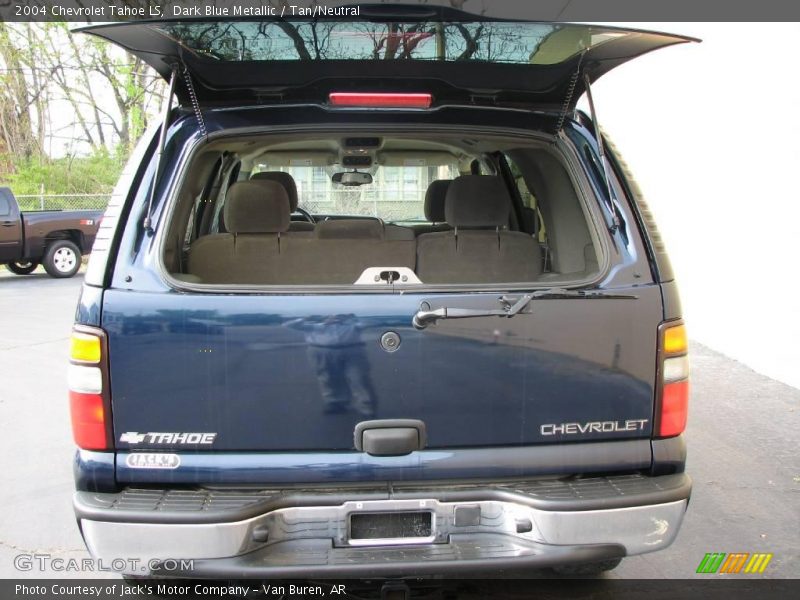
column 510, row 306
column 424, row 317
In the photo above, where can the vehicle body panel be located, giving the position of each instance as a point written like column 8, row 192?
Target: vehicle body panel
column 10, row 227
column 244, row 368
column 260, row 390
column 31, row 230
column 432, row 465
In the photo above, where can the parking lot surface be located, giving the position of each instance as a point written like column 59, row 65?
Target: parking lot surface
column 743, row 435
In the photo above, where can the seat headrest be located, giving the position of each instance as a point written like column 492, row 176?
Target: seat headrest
column 477, row 201
column 256, row 207
column 286, row 180
column 434, row 200
column 350, row 229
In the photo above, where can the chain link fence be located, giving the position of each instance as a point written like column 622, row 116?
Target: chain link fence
column 334, row 202
column 33, row 202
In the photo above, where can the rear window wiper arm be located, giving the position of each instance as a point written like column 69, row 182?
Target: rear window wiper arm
column 510, row 306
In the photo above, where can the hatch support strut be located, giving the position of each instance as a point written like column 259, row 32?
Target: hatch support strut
column 573, row 81
column 201, row 123
column 601, row 150
column 162, row 136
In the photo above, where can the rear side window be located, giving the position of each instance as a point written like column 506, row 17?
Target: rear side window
column 5, row 206
column 399, row 211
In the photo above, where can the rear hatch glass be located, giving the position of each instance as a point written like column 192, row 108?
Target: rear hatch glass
column 503, row 42
column 274, row 60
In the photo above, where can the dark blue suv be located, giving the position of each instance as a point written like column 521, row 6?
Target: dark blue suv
column 375, row 300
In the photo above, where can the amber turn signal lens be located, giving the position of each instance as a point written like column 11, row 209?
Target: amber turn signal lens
column 675, row 341
column 85, row 347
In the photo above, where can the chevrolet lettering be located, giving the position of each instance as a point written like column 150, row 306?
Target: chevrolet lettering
column 593, row 427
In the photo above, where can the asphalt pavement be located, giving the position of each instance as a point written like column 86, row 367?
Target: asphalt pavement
column 743, row 436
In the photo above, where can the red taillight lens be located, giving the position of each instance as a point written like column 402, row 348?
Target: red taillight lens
column 88, row 393
column 673, row 400
column 88, row 420
column 380, row 100
column 674, row 408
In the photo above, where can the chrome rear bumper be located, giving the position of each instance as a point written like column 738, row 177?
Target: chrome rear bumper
column 494, row 531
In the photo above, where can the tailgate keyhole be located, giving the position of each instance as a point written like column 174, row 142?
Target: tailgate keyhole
column 390, row 341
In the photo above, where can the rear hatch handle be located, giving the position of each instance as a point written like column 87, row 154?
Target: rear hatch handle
column 509, row 306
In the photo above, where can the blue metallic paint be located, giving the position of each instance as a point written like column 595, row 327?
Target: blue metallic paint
column 331, row 467
column 89, row 306
column 94, row 471
column 236, row 368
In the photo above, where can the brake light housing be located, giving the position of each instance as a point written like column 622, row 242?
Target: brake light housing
column 380, row 100
column 88, row 382
column 672, row 398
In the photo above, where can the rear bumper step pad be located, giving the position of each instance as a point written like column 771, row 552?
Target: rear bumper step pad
column 143, row 505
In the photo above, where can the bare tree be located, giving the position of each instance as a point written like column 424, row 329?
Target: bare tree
column 111, row 95
column 22, row 102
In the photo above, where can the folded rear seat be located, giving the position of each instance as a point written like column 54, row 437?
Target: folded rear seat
column 478, row 249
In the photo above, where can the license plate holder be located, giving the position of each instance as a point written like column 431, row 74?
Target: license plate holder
column 393, row 527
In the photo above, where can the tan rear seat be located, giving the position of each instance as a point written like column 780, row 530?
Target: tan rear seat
column 288, row 183
column 260, row 250
column 342, row 249
column 434, row 208
column 477, row 249
column 256, row 215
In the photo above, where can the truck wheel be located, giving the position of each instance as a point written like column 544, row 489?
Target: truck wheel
column 22, row 267
column 588, row 569
column 62, row 259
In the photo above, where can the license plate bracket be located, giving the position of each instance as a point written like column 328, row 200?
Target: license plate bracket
column 395, row 527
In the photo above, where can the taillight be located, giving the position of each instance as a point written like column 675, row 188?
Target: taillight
column 672, row 404
column 380, row 100
column 88, row 389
